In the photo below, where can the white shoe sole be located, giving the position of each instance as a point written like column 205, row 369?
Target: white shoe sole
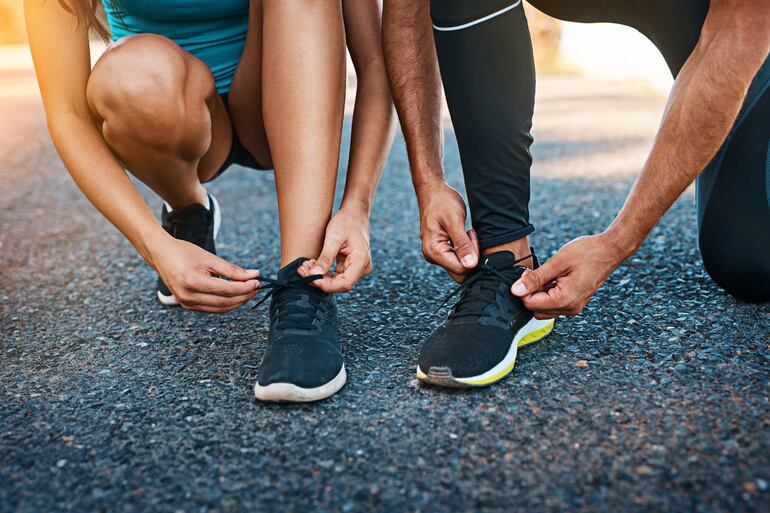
column 289, row 393
column 531, row 332
column 170, row 300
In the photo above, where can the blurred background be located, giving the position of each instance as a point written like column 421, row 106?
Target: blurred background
column 559, row 47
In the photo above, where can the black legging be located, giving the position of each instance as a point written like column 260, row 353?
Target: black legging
column 487, row 68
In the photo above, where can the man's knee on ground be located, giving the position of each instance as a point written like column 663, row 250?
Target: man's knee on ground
column 741, row 270
column 146, row 88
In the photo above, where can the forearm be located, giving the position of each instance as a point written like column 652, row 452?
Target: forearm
column 102, row 179
column 371, row 138
column 415, row 82
column 700, row 113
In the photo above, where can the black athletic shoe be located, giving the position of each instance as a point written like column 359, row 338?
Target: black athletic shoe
column 477, row 344
column 303, row 361
column 194, row 223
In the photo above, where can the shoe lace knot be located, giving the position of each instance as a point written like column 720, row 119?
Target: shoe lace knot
column 295, row 304
column 479, row 290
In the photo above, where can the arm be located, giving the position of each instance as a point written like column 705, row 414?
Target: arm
column 347, row 234
column 61, row 54
column 706, row 99
column 410, row 56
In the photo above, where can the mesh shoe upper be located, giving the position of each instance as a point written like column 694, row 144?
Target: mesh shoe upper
column 481, row 326
column 303, row 347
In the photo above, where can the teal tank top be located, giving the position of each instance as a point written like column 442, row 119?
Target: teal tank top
column 213, row 31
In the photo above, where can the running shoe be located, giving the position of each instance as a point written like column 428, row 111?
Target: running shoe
column 478, row 342
column 303, row 360
column 193, row 223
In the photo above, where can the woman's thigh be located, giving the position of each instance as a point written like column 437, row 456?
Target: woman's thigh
column 155, row 103
column 245, row 98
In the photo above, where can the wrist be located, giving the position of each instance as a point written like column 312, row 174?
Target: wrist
column 426, row 189
column 357, row 207
column 150, row 243
column 621, row 241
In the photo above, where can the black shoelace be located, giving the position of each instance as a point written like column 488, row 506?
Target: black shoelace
column 291, row 311
column 474, row 305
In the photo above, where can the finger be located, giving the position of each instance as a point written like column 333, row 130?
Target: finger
column 343, row 282
column 198, row 300
column 212, row 285
column 462, row 245
column 441, row 253
column 232, row 271
column 328, row 254
column 544, row 316
column 550, row 300
column 304, row 269
column 533, row 280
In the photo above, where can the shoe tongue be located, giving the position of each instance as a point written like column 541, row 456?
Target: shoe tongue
column 501, row 260
column 290, row 270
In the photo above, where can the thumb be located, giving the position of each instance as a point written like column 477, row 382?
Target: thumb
column 328, row 254
column 532, row 280
column 465, row 247
column 232, row 271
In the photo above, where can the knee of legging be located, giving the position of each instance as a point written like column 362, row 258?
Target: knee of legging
column 739, row 268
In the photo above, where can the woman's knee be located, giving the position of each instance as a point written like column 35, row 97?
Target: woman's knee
column 147, row 87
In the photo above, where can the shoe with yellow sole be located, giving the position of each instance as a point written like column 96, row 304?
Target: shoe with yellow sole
column 477, row 344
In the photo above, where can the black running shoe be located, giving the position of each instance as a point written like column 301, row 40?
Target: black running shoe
column 477, row 344
column 303, row 361
column 194, row 223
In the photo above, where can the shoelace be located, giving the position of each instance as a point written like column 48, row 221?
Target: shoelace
column 291, row 314
column 473, row 306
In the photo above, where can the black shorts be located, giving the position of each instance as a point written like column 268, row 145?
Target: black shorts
column 238, row 153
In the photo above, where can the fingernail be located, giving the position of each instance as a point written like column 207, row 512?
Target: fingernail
column 251, row 271
column 469, row 261
column 519, row 289
column 316, row 270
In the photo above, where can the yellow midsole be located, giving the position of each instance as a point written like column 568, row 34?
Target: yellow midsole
column 527, row 339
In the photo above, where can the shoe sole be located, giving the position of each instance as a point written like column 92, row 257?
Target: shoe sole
column 290, row 393
column 533, row 331
column 170, row 300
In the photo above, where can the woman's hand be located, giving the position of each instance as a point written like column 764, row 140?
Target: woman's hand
column 192, row 274
column 347, row 243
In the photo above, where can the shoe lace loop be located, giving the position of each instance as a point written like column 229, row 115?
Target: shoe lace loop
column 296, row 305
column 473, row 305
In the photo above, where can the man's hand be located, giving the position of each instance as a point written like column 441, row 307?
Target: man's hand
column 192, row 275
column 442, row 230
column 565, row 283
column 347, row 244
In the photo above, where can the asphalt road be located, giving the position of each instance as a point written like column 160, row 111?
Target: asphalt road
column 110, row 402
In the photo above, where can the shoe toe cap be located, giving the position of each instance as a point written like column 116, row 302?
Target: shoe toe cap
column 464, row 351
column 306, row 366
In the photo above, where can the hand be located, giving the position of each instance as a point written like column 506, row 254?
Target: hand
column 347, row 244
column 565, row 283
column 442, row 230
column 192, row 275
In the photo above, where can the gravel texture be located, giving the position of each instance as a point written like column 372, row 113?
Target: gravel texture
column 655, row 399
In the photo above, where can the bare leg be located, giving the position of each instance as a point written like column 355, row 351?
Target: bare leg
column 304, row 93
column 161, row 115
column 246, row 91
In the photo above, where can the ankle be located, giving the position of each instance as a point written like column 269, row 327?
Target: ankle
column 196, row 195
column 520, row 248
